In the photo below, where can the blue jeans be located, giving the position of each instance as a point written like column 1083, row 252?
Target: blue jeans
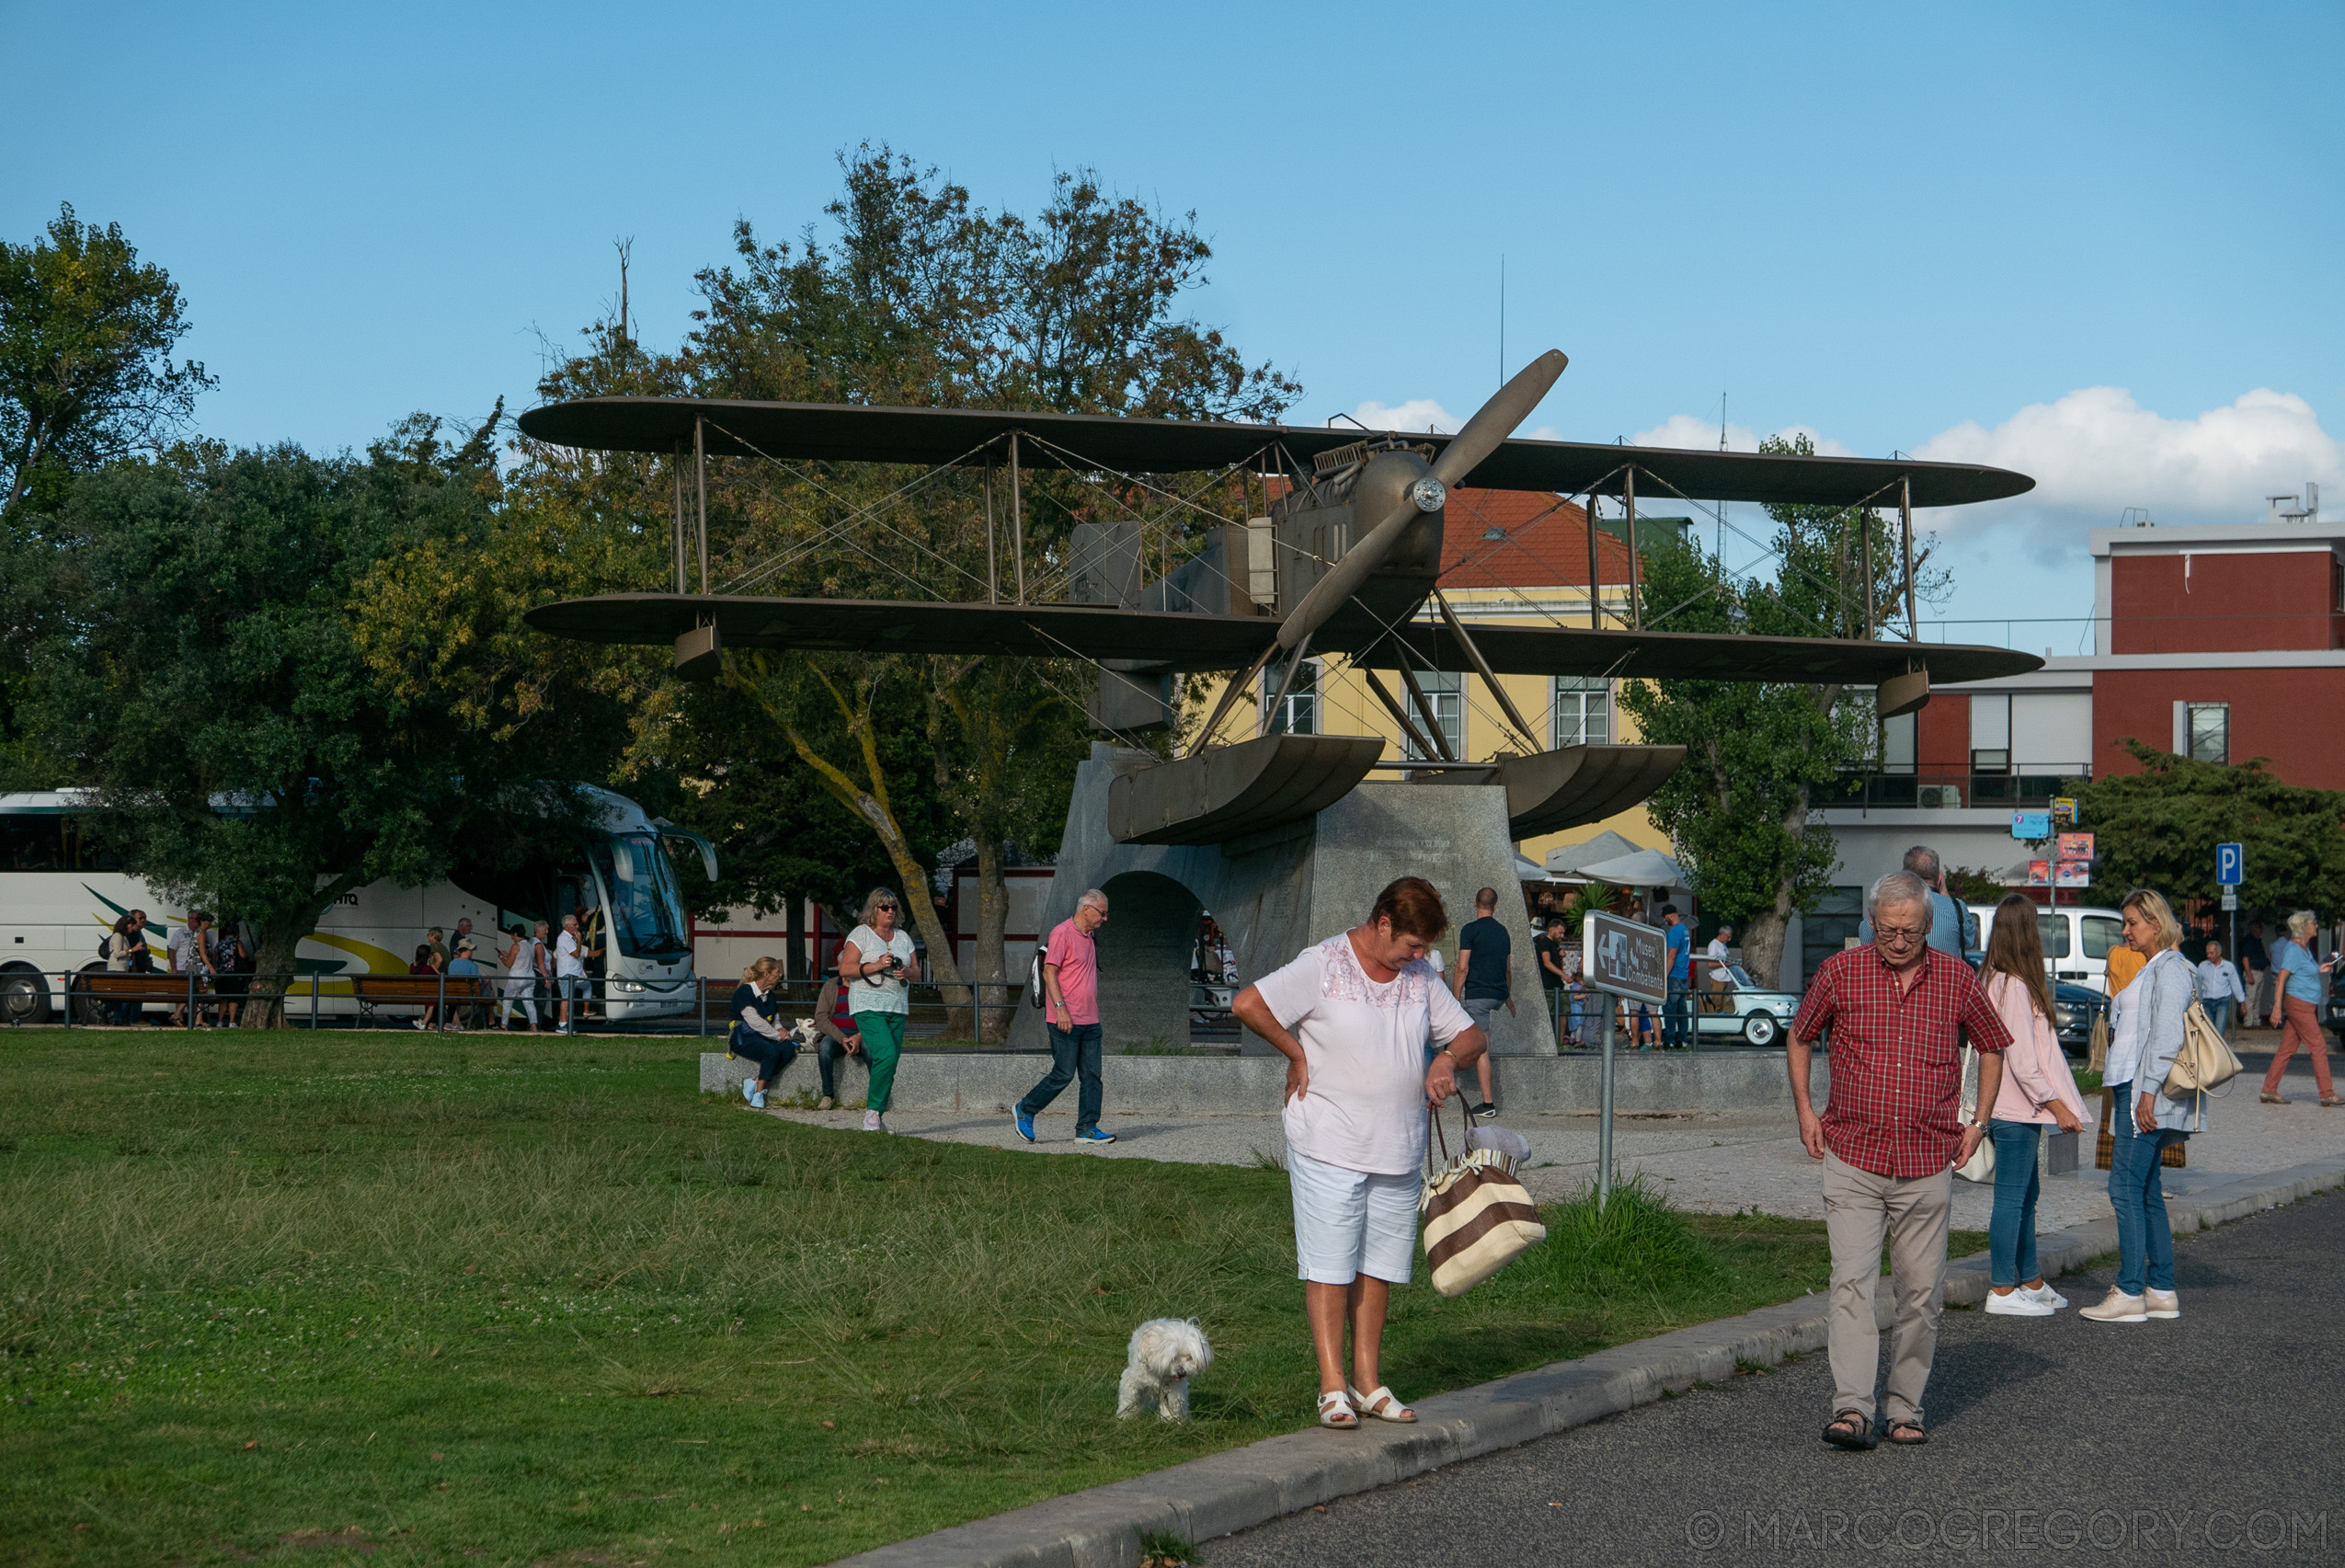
column 2218, row 1012
column 2011, row 1234
column 1072, row 1051
column 1677, row 1027
column 2144, row 1237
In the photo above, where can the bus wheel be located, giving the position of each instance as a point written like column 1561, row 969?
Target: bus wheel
column 82, row 1006
column 24, row 995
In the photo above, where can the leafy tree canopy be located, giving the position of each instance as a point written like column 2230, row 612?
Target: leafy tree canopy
column 87, row 332
column 2158, row 828
column 204, row 675
column 1760, row 758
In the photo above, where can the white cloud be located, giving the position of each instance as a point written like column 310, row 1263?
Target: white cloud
column 2096, row 452
column 1701, row 435
column 1416, row 414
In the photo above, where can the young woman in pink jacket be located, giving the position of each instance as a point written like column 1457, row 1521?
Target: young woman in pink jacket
column 2038, row 1092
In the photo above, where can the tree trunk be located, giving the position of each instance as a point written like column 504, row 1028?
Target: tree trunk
column 1763, row 944
column 275, row 954
column 992, row 962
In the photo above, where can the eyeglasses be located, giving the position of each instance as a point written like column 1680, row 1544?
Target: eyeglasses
column 1899, row 933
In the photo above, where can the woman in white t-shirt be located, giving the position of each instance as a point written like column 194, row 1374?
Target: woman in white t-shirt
column 1352, row 1017
column 522, row 962
column 879, row 965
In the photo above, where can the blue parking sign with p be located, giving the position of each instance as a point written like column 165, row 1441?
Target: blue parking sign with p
column 2230, row 864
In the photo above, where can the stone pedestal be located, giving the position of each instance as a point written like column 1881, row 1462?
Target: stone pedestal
column 1277, row 893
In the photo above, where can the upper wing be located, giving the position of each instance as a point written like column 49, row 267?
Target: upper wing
column 1178, row 639
column 970, row 437
column 1702, row 656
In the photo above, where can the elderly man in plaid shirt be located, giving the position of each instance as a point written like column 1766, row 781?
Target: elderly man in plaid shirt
column 1890, row 1136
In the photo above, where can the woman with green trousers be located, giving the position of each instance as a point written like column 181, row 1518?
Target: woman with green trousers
column 879, row 967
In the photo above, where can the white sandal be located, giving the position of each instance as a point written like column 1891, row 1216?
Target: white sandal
column 1336, row 1411
column 1383, row 1404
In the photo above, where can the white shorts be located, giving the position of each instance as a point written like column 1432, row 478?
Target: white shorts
column 1350, row 1222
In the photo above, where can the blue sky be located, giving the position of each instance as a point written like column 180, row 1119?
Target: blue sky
column 1897, row 227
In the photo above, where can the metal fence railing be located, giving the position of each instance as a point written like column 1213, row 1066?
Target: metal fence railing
column 316, row 1000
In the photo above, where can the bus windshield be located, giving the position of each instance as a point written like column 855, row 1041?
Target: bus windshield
column 646, row 916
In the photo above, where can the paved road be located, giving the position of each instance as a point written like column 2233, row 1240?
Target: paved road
column 2052, row 1440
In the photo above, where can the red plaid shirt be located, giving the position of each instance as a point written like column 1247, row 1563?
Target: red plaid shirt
column 1896, row 1058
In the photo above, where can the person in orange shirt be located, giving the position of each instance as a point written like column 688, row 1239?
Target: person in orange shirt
column 2124, row 965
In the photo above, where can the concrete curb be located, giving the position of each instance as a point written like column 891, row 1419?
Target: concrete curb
column 1229, row 1491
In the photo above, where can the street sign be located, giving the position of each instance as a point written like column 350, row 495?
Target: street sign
column 1624, row 957
column 2063, row 810
column 2072, row 873
column 2038, row 874
column 2231, row 897
column 2031, row 824
column 2230, row 864
column 2075, row 846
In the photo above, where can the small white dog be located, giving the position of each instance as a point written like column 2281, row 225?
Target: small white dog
column 1165, row 1353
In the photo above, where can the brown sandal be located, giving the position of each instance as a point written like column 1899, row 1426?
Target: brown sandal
column 1916, row 1441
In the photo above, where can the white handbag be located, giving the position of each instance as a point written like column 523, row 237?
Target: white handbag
column 1980, row 1166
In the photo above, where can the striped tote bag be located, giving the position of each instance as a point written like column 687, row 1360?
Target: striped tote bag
column 1478, row 1219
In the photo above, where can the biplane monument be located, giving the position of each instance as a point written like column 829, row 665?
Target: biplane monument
column 1278, row 834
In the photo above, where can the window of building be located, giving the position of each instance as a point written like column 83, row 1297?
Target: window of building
column 1582, row 711
column 1445, row 690
column 1825, row 929
column 1299, row 713
column 2210, row 732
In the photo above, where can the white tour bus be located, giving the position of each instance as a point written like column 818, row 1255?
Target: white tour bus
column 59, row 898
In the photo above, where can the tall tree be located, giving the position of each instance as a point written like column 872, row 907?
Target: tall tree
column 2158, row 828
column 205, row 677
column 87, row 332
column 921, row 298
column 1761, row 758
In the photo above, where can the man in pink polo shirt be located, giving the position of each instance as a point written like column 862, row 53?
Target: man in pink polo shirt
column 1070, row 1006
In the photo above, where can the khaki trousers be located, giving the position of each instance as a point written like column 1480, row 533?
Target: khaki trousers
column 1860, row 1210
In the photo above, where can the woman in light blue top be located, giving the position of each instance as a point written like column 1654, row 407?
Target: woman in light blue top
column 2300, row 984
column 2145, row 1042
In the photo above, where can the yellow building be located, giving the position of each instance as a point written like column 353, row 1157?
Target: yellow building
column 1507, row 555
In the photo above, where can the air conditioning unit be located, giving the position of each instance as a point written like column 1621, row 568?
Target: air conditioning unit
column 1939, row 798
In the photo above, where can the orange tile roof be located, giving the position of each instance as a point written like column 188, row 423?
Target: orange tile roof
column 1543, row 543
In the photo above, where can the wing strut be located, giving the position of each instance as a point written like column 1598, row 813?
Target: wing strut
column 1522, row 731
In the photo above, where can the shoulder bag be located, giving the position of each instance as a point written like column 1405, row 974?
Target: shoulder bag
column 1478, row 1219
column 1980, row 1166
column 2204, row 1062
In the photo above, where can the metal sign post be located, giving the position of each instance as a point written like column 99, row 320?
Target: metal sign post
column 1628, row 959
column 2230, row 870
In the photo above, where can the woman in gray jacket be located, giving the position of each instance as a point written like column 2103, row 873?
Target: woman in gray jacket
column 2145, row 1121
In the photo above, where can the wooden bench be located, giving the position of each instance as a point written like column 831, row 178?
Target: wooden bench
column 419, row 990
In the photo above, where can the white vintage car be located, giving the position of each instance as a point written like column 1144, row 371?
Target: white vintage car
column 1738, row 1007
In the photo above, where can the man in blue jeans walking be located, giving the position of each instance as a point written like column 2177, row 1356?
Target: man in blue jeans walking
column 1677, row 1023
column 1070, row 989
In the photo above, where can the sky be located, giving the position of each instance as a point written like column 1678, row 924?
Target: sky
column 2098, row 244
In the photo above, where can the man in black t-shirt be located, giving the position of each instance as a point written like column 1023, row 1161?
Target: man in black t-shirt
column 1548, row 954
column 1482, row 978
column 2254, row 965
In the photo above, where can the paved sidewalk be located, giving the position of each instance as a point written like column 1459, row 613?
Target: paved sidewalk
column 1709, row 1162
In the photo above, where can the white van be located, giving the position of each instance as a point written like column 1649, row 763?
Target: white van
column 2077, row 941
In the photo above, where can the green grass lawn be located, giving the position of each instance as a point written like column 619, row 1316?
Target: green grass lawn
column 510, row 1301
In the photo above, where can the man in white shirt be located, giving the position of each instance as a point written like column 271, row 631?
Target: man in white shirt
column 190, row 953
column 2219, row 987
column 1717, row 953
column 569, row 973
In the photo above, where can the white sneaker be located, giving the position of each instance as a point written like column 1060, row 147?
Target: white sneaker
column 2161, row 1304
column 757, row 1102
column 872, row 1122
column 2019, row 1304
column 2046, row 1294
column 2116, row 1308
column 747, row 1093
